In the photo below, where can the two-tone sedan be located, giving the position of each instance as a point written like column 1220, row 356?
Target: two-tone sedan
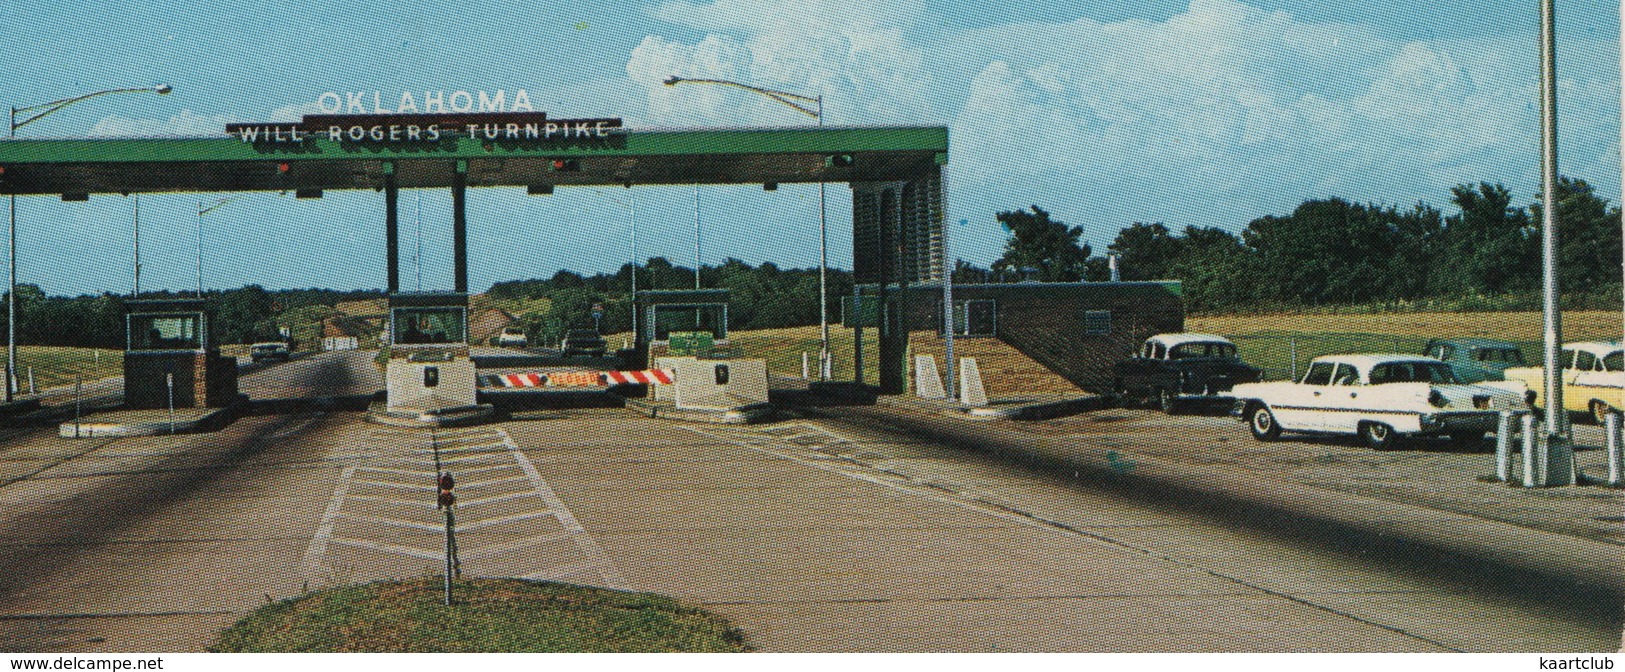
column 1593, row 378
column 1383, row 399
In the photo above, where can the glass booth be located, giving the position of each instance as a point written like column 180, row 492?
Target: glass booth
column 171, row 357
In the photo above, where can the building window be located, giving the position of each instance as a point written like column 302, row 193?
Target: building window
column 1097, row 322
column 429, row 326
column 183, row 331
column 975, row 318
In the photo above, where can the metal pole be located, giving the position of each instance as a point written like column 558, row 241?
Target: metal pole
column 696, row 241
column 11, row 297
column 823, row 270
column 1292, row 342
column 169, row 382
column 634, row 206
column 392, row 233
column 1557, row 421
column 78, row 405
column 1503, row 447
column 1529, row 450
column 857, row 330
column 459, row 229
column 200, row 249
column 1611, row 426
column 136, row 293
column 417, row 256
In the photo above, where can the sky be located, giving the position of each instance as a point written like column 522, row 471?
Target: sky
column 1103, row 112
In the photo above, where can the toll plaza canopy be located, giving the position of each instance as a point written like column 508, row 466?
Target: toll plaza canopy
column 77, row 167
column 895, row 173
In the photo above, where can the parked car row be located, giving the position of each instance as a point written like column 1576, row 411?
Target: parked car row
column 1455, row 389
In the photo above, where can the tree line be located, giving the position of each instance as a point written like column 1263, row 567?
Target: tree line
column 1483, row 254
column 1333, row 252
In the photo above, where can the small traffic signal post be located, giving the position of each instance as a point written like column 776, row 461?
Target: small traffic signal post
column 448, row 503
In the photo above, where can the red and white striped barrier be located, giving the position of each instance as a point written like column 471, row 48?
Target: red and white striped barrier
column 578, row 378
column 645, row 377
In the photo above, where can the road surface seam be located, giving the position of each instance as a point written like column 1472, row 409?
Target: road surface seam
column 908, row 485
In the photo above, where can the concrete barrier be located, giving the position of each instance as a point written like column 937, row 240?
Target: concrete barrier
column 431, row 385
column 927, row 382
column 720, row 384
column 666, row 392
column 971, row 391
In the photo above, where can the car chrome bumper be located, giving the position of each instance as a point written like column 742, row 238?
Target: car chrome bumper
column 1471, row 421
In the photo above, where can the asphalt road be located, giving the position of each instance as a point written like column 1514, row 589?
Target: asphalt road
column 863, row 529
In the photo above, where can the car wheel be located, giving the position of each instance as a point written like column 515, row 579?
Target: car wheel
column 1262, row 422
column 1124, row 399
column 1168, row 401
column 1600, row 410
column 1378, row 436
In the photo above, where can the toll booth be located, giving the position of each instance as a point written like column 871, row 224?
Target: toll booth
column 682, row 323
column 171, row 356
column 429, row 370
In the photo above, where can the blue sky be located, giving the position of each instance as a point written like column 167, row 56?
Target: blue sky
column 1205, row 112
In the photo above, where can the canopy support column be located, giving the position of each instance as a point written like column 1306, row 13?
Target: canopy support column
column 392, row 232
column 459, row 226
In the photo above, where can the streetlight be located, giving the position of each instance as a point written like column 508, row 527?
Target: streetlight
column 631, row 204
column 816, row 112
column 45, row 109
column 201, row 211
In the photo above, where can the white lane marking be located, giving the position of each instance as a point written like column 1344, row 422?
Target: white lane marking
column 463, row 504
column 396, row 522
column 514, row 545
column 324, row 532
column 502, row 520
column 390, row 548
column 606, row 567
column 399, row 486
column 465, row 486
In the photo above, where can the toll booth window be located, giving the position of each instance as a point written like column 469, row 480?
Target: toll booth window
column 428, row 326
column 670, row 318
column 166, row 332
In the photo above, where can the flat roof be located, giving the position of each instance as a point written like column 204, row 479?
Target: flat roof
column 81, row 166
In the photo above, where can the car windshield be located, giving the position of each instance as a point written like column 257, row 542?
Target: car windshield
column 1614, row 362
column 1412, row 372
column 1209, row 349
column 583, row 333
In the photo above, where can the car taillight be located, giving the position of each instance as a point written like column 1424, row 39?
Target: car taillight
column 1437, row 399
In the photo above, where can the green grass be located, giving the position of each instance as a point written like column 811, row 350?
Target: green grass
column 490, row 615
column 1267, row 341
column 54, row 366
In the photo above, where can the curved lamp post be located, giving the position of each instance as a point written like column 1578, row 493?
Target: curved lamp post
column 204, row 209
column 38, row 112
column 800, row 104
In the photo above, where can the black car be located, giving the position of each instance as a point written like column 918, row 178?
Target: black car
column 583, row 342
column 1175, row 371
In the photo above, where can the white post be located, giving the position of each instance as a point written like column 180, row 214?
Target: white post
column 1611, row 427
column 31, row 389
column 169, row 382
column 1503, row 447
column 804, row 370
column 1530, row 447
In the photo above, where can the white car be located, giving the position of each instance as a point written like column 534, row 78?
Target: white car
column 1381, row 398
column 512, row 337
column 1593, row 378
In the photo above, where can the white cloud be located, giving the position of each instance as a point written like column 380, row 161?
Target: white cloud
column 295, row 112
column 1217, row 115
column 186, row 122
column 854, row 54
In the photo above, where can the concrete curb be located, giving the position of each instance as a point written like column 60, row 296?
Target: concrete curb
column 185, row 423
column 1041, row 410
column 742, row 415
column 378, row 413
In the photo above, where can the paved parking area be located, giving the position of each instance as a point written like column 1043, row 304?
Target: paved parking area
column 840, row 533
